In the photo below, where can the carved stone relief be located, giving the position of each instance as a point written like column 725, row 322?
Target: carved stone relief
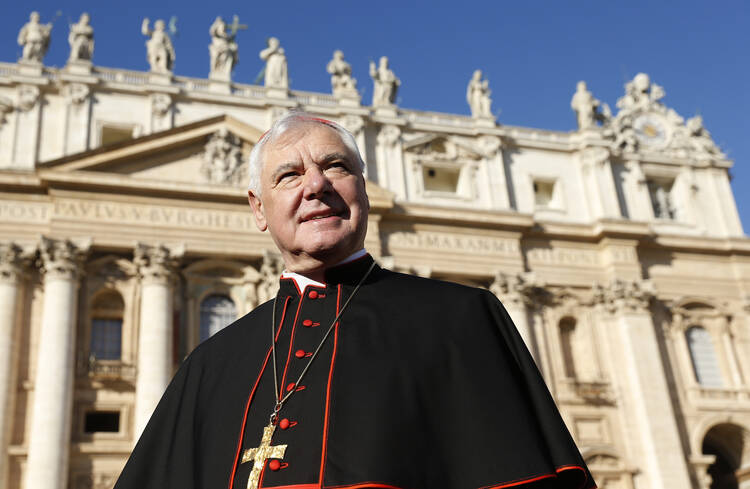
column 63, row 258
column 157, row 263
column 389, row 135
column 28, row 96
column 76, row 93
column 160, row 104
column 624, row 296
column 222, row 159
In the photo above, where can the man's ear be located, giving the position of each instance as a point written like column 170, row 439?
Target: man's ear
column 258, row 212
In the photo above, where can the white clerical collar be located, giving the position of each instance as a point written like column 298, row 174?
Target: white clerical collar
column 303, row 282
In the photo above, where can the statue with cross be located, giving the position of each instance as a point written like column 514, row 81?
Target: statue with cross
column 223, row 48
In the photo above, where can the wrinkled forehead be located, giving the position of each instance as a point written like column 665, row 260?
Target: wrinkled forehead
column 315, row 138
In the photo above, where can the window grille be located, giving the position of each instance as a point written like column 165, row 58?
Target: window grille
column 703, row 355
column 217, row 312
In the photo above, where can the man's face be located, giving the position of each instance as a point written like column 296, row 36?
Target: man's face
column 313, row 199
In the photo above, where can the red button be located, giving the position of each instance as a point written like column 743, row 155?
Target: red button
column 291, row 387
column 284, row 424
column 307, row 322
column 313, row 294
column 274, row 465
column 300, row 353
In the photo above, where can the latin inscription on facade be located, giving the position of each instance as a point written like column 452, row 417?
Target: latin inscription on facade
column 454, row 242
column 125, row 213
column 562, row 256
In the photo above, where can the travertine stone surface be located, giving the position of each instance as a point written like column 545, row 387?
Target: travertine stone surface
column 538, row 217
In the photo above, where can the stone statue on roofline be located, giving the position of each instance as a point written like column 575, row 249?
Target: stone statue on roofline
column 276, row 72
column 81, row 40
column 223, row 48
column 34, row 37
column 640, row 93
column 342, row 82
column 386, row 83
column 478, row 96
column 589, row 111
column 159, row 50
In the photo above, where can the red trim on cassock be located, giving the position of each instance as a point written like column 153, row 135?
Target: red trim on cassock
column 289, row 353
column 328, row 390
column 363, row 485
column 250, row 399
column 540, row 477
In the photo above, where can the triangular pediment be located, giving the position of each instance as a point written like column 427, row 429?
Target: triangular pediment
column 440, row 147
column 211, row 151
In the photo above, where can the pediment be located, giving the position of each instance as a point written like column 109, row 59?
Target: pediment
column 211, row 151
column 439, row 147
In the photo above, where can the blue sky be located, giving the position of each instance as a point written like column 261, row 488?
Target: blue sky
column 532, row 52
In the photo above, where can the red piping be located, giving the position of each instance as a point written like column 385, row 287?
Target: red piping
column 250, row 398
column 289, row 353
column 328, row 390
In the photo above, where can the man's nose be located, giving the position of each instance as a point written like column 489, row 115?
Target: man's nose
column 315, row 182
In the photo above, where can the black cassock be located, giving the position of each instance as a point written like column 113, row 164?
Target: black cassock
column 422, row 384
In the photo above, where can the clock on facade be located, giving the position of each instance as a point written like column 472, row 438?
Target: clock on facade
column 651, row 130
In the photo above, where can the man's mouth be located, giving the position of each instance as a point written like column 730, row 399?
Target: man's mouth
column 319, row 216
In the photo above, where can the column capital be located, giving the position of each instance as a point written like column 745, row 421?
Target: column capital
column 157, row 263
column 519, row 289
column 624, row 296
column 14, row 261
column 63, row 258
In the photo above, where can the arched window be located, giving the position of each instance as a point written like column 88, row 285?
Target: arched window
column 703, row 355
column 567, row 337
column 106, row 326
column 217, row 311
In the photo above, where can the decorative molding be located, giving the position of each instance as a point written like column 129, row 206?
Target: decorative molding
column 270, row 270
column 63, row 258
column 623, row 296
column 354, row 124
column 76, row 93
column 28, row 96
column 389, row 135
column 157, row 263
column 14, row 262
column 160, row 104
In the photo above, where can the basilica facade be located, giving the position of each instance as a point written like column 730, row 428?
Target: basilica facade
column 126, row 240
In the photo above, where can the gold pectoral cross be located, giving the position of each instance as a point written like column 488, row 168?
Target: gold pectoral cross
column 261, row 454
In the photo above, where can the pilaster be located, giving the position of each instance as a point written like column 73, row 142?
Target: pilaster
column 52, row 408
column 13, row 267
column 654, row 439
column 512, row 290
column 156, row 266
column 390, row 164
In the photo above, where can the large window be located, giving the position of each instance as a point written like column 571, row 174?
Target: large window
column 703, row 355
column 217, row 311
column 106, row 327
column 662, row 202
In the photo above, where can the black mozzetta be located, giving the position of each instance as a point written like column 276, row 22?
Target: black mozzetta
column 422, row 384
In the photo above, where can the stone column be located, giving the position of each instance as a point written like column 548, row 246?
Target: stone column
column 155, row 267
column 52, row 409
column 511, row 290
column 654, row 439
column 12, row 267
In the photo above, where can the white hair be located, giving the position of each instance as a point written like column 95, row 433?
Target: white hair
column 281, row 126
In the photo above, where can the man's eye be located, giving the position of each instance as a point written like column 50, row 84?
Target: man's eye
column 338, row 166
column 287, row 176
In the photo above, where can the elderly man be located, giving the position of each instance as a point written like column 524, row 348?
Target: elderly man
column 353, row 376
